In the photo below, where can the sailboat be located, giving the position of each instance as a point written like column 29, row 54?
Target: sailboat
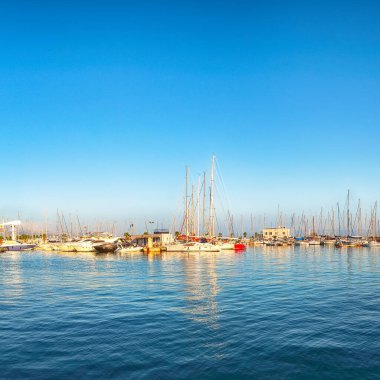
column 200, row 245
column 372, row 241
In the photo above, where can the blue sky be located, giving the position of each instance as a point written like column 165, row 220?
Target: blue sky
column 103, row 103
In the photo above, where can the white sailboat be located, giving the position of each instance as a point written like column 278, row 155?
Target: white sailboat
column 226, row 246
column 198, row 246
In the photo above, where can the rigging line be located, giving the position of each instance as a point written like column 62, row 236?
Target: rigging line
column 220, row 176
column 225, row 214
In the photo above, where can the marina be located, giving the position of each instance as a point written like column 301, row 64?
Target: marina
column 196, row 231
column 190, row 190
column 266, row 312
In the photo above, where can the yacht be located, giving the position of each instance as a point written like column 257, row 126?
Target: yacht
column 14, row 245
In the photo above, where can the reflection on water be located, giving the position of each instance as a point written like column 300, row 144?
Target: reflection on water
column 270, row 312
column 11, row 280
column 201, row 288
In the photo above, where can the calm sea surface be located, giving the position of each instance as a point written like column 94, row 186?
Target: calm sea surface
column 267, row 313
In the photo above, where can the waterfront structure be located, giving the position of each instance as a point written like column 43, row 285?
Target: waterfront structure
column 160, row 237
column 276, row 233
column 13, row 244
column 12, row 225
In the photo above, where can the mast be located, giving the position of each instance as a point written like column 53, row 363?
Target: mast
column 198, row 204
column 192, row 230
column 348, row 213
column 375, row 221
column 187, row 205
column 204, row 205
column 305, row 226
column 46, row 225
column 57, row 224
column 71, row 226
column 212, row 216
column 80, row 227
column 338, row 218
column 292, row 224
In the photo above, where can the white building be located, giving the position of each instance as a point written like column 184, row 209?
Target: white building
column 160, row 236
column 276, row 233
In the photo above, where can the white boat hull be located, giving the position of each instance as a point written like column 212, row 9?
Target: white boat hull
column 14, row 245
column 21, row 247
column 193, row 247
column 227, row 246
column 129, row 250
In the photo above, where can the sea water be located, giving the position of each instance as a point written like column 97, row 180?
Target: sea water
column 268, row 313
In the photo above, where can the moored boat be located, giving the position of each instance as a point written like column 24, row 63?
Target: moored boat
column 226, row 246
column 372, row 244
column 84, row 246
column 129, row 249
column 14, row 245
column 105, row 247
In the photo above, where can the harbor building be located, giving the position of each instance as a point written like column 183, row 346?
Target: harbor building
column 159, row 236
column 276, row 233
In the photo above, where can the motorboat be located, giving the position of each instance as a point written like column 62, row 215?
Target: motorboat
column 14, row 245
column 372, row 244
column 66, row 247
column 105, row 247
column 351, row 241
column 84, row 246
column 130, row 249
column 328, row 241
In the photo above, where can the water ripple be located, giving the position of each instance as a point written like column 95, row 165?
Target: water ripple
column 268, row 313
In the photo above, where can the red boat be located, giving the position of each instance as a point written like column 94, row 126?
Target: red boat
column 240, row 247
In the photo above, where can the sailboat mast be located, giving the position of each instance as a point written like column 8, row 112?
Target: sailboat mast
column 333, row 221
column 338, row 219
column 46, row 226
column 198, row 204
column 187, row 205
column 375, row 222
column 204, row 204
column 192, row 230
column 212, row 216
column 348, row 212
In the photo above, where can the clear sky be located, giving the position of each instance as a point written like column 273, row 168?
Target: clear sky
column 103, row 103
